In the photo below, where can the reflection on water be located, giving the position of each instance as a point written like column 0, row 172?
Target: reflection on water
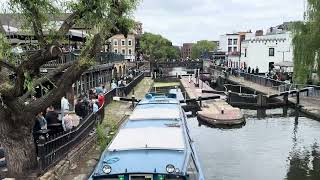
column 275, row 147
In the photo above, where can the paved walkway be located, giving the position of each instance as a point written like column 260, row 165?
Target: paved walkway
column 254, row 86
column 114, row 113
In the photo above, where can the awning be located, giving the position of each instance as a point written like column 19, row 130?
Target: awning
column 284, row 64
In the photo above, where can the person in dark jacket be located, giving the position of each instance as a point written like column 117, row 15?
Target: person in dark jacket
column 80, row 108
column 51, row 116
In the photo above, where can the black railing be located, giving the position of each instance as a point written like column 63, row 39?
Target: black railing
column 101, row 58
column 51, row 148
column 124, row 91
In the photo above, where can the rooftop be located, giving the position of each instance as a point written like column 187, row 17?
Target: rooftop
column 148, row 138
column 156, row 111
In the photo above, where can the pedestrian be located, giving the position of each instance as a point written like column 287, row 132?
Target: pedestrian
column 80, row 108
column 51, row 116
column 67, row 121
column 257, row 70
column 99, row 89
column 113, row 85
column 64, row 105
column 95, row 106
column 249, row 70
column 40, row 123
column 101, row 99
column 252, row 71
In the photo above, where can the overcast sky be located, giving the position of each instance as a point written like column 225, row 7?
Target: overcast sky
column 191, row 20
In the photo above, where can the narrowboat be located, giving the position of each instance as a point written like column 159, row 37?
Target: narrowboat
column 154, row 143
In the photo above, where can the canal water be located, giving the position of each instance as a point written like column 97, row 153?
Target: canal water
column 276, row 147
column 272, row 148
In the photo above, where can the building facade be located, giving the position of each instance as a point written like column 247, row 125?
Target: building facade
column 125, row 46
column 261, row 51
column 186, row 50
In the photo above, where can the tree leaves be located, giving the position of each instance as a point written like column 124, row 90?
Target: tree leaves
column 157, row 47
column 201, row 47
column 306, row 46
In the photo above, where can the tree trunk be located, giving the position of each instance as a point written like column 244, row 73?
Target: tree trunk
column 17, row 141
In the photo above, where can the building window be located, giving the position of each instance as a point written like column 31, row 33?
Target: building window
column 245, row 52
column 123, row 51
column 234, row 49
column 130, row 51
column 271, row 51
column 229, row 49
column 129, row 42
column 115, row 50
column 229, row 41
column 123, row 42
column 235, row 41
column 115, row 42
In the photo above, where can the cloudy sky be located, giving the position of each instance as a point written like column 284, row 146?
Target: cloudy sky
column 191, row 20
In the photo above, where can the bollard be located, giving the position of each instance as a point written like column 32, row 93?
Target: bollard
column 133, row 100
column 222, row 110
column 298, row 98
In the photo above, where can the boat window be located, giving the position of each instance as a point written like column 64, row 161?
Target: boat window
column 192, row 170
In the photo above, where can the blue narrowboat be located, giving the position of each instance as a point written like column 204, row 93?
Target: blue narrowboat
column 152, row 144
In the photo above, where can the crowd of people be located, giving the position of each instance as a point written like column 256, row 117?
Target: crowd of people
column 66, row 119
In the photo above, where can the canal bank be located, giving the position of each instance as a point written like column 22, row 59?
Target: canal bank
column 115, row 113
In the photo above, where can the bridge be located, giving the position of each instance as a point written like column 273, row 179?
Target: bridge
column 173, row 64
column 266, row 89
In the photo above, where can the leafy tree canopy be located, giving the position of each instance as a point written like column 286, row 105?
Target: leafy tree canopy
column 157, row 47
column 306, row 46
column 201, row 47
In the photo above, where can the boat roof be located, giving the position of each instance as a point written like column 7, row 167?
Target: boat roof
column 153, row 98
column 148, row 138
column 143, row 161
column 156, row 111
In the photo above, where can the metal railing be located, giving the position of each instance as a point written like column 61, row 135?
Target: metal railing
column 51, row 148
column 125, row 90
column 101, row 58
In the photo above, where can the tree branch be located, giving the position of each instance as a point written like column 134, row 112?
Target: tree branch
column 71, row 75
column 8, row 65
column 49, row 77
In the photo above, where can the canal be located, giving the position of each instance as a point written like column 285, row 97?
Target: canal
column 271, row 148
column 276, row 147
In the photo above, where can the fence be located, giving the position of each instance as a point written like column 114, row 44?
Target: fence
column 124, row 91
column 52, row 148
column 101, row 58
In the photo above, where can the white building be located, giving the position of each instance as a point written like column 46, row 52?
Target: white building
column 229, row 43
column 259, row 51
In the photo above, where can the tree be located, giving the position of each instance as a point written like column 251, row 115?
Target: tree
column 306, row 46
column 157, row 47
column 201, row 47
column 105, row 17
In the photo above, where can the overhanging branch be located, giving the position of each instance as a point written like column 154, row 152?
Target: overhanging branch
column 8, row 65
column 49, row 77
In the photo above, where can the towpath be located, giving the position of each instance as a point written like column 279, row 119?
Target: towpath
column 114, row 113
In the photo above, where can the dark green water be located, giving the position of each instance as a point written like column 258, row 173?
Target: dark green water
column 273, row 148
